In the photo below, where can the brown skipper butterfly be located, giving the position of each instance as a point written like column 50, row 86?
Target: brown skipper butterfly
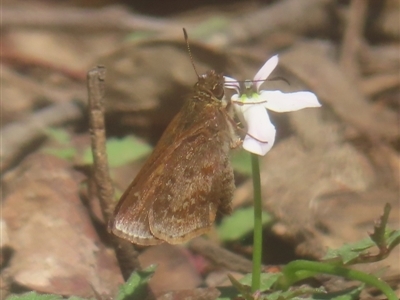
column 188, row 178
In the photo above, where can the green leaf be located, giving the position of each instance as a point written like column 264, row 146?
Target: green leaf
column 139, row 36
column 241, row 162
column 243, row 289
column 66, row 153
column 136, row 286
column 227, row 293
column 209, row 27
column 348, row 294
column 267, row 280
column 36, row 296
column 383, row 238
column 293, row 293
column 348, row 252
column 378, row 236
column 393, row 238
column 63, row 148
column 121, row 151
column 239, row 223
column 60, row 135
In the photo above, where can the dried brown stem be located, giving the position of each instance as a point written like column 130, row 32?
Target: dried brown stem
column 309, row 63
column 380, row 58
column 220, row 256
column 288, row 15
column 363, row 258
column 38, row 91
column 126, row 255
column 13, row 58
column 83, row 20
column 96, row 79
column 353, row 37
column 379, row 83
column 17, row 137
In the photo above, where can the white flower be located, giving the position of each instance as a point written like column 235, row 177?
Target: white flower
column 252, row 103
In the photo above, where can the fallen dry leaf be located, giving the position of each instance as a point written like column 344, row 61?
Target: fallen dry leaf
column 173, row 264
column 57, row 249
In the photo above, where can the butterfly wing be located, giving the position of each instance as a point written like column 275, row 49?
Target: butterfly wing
column 181, row 186
column 130, row 218
column 201, row 184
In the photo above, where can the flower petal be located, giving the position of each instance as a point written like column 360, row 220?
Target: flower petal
column 284, row 102
column 266, row 70
column 232, row 83
column 261, row 132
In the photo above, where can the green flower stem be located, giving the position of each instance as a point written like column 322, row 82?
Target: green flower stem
column 301, row 269
column 257, row 241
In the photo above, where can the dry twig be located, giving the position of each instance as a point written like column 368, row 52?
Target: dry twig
column 220, row 256
column 19, row 137
column 294, row 16
column 96, row 79
column 127, row 256
column 37, row 90
column 374, row 85
column 13, row 58
column 82, row 20
column 380, row 58
column 308, row 63
column 353, row 37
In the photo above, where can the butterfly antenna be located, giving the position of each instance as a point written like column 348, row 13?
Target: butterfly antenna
column 190, row 52
column 279, row 78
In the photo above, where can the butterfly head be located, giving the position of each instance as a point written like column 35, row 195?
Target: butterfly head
column 210, row 87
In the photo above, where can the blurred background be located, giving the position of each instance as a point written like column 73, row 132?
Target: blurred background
column 325, row 181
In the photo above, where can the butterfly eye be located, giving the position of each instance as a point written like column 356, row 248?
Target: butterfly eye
column 218, row 90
